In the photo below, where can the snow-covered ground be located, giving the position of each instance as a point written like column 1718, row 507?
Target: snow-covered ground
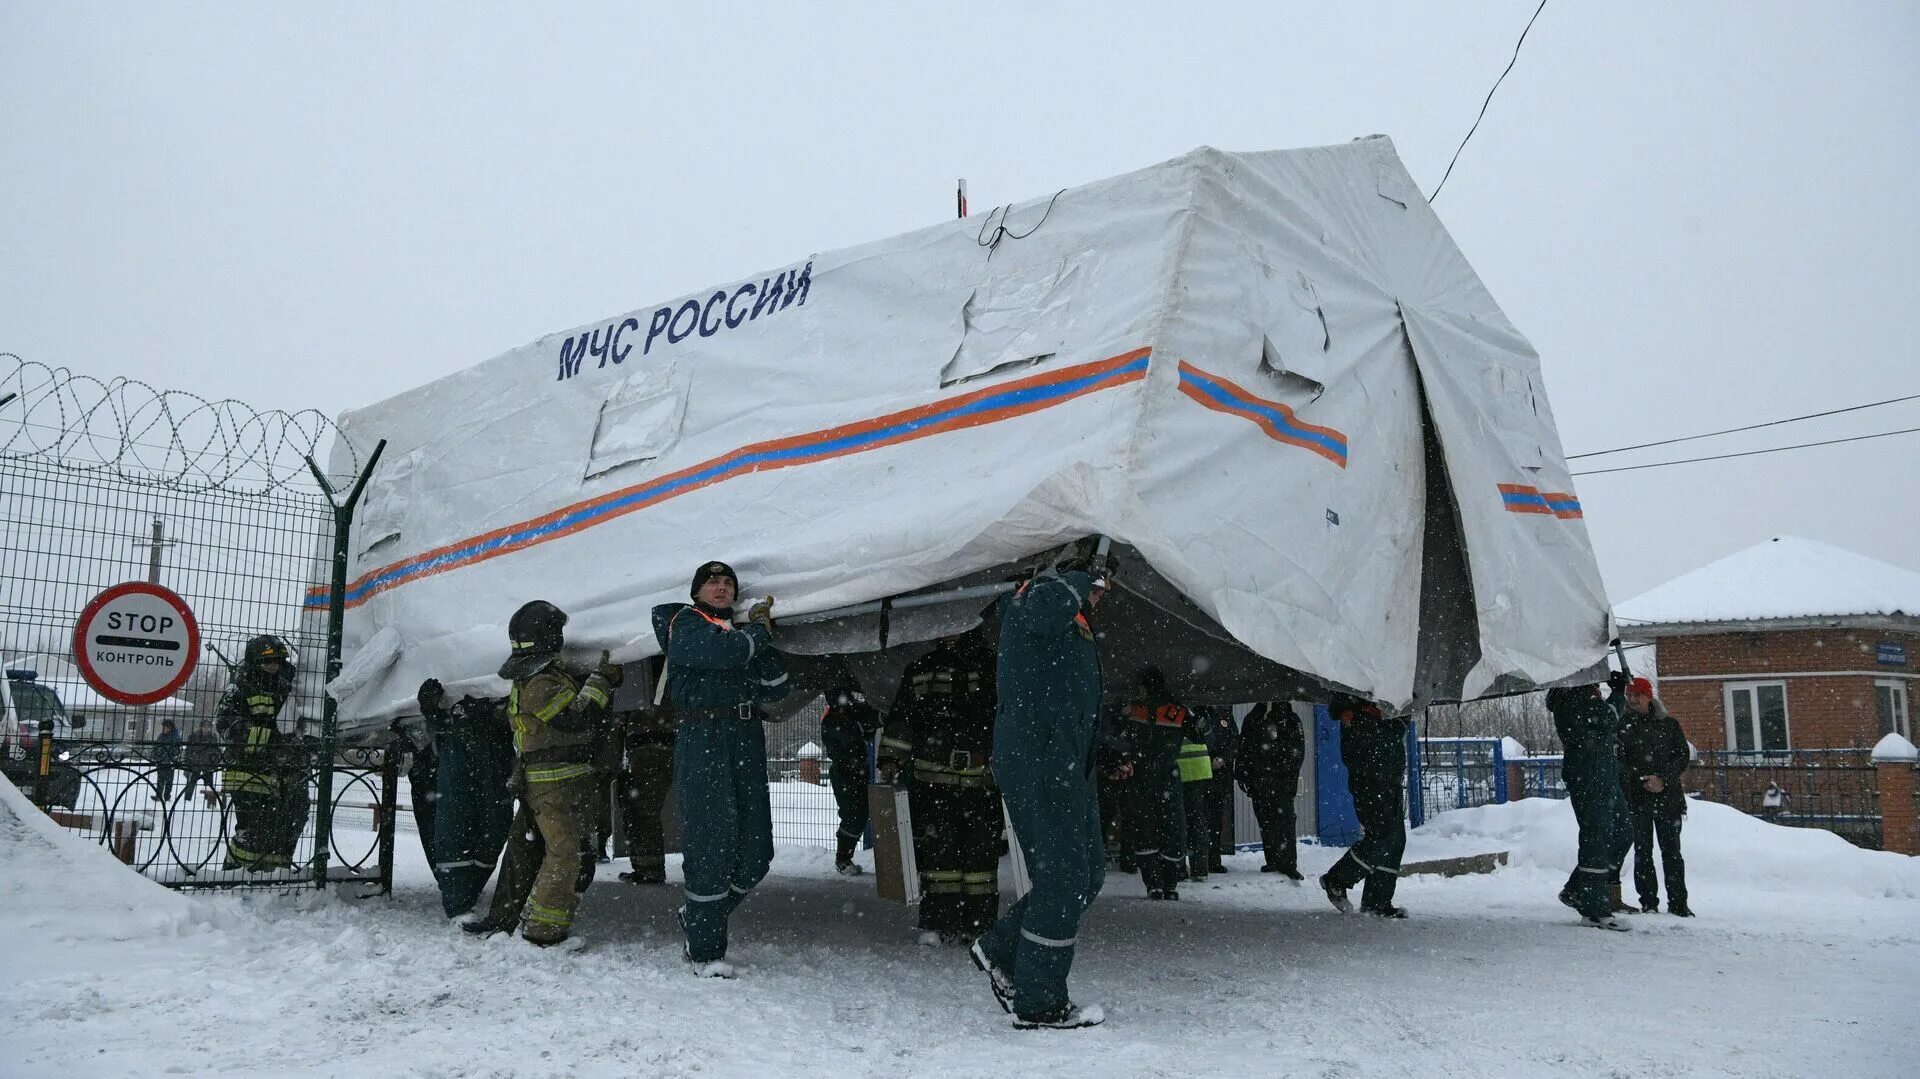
column 1805, row 961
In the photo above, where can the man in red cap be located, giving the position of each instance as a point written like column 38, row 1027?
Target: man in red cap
column 1653, row 753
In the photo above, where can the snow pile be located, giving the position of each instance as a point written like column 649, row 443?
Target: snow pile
column 57, row 887
column 1725, row 848
column 1893, row 749
column 108, row 975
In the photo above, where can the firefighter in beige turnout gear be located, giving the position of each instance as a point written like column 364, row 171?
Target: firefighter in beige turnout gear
column 555, row 707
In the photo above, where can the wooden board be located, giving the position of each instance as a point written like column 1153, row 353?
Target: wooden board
column 1455, row 867
column 895, row 876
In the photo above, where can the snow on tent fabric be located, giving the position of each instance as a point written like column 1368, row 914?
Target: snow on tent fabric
column 1271, row 377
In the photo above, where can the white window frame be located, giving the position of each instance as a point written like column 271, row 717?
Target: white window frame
column 1727, row 691
column 1904, row 716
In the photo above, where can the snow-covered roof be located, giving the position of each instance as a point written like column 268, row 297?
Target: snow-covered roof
column 1784, row 578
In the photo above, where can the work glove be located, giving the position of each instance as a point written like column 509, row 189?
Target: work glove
column 762, row 612
column 1079, row 556
column 1106, row 572
column 431, row 696
column 1085, row 559
column 609, row 671
column 1617, row 681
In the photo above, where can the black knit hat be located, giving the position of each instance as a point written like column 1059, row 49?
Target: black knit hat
column 707, row 572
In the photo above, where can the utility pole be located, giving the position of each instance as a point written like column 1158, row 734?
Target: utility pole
column 155, row 545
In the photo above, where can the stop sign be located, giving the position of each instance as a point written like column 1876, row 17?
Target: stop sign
column 136, row 643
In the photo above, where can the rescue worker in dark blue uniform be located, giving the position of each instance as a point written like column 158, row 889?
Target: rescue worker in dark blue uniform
column 1043, row 758
column 256, row 772
column 1373, row 746
column 716, row 675
column 1588, row 730
column 473, row 751
column 1147, row 736
column 1267, row 759
column 848, row 728
column 939, row 735
column 423, row 779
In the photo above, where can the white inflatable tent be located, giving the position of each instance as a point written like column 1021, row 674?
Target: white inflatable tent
column 1271, row 378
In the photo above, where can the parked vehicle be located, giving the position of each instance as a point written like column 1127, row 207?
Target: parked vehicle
column 26, row 702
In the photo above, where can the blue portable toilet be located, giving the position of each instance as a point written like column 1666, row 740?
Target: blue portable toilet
column 1338, row 825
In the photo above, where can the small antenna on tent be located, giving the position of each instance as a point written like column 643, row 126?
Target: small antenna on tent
column 961, row 196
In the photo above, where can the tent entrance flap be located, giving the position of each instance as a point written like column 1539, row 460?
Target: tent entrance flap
column 1449, row 641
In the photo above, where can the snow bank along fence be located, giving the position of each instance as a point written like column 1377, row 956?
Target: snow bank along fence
column 115, row 481
column 1865, row 796
column 1842, row 790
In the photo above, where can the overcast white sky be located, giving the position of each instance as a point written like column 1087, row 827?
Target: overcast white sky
column 1701, row 214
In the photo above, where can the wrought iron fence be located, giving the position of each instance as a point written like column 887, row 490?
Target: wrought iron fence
column 178, row 824
column 1835, row 789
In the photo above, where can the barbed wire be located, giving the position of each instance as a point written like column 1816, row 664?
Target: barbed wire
column 168, row 438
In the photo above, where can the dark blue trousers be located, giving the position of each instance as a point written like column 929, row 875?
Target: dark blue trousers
column 720, row 785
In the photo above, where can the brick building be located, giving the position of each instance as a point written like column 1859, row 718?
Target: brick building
column 1788, row 645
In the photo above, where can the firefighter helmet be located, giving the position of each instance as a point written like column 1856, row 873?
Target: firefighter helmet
column 263, row 648
column 535, row 630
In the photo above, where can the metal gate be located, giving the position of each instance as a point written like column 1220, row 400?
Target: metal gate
column 106, row 482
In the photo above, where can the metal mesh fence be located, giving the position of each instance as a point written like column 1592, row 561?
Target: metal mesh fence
column 240, row 560
column 1539, row 777
column 804, row 812
column 107, row 482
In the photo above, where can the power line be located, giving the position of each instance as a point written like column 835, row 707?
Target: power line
column 1750, row 453
column 1749, row 427
column 1488, row 101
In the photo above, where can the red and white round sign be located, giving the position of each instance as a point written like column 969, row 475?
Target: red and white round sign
column 136, row 643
